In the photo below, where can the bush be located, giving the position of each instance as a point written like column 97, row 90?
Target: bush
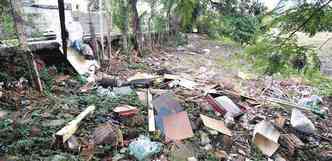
column 242, row 29
column 278, row 55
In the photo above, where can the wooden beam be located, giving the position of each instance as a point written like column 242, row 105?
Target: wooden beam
column 66, row 132
column 62, row 16
column 152, row 124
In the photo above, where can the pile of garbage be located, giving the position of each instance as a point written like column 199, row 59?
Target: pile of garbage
column 164, row 116
column 222, row 123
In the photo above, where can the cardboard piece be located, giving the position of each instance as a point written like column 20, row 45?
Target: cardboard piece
column 139, row 76
column 216, row 125
column 177, row 80
column 81, row 65
column 177, row 127
column 171, row 77
column 163, row 112
column 266, row 137
column 230, row 107
column 165, row 105
column 126, row 110
column 168, row 101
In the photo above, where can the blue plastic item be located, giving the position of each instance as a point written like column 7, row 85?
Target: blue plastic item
column 143, row 147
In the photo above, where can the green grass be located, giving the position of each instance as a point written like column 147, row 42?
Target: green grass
column 138, row 66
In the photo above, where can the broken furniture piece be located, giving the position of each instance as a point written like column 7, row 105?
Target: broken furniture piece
column 66, row 132
column 224, row 106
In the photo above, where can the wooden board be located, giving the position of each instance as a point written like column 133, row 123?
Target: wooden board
column 66, row 132
column 80, row 64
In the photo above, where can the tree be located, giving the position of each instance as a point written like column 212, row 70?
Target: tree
column 6, row 19
column 94, row 42
column 120, row 19
column 186, row 10
column 169, row 6
column 136, row 28
column 307, row 17
column 150, row 23
column 16, row 10
column 101, row 29
column 109, row 29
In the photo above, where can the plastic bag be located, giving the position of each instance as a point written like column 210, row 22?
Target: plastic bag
column 143, row 148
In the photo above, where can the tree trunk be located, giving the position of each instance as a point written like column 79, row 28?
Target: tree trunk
column 16, row 9
column 101, row 21
column 136, row 28
column 153, row 3
column 125, row 27
column 109, row 30
column 94, row 43
column 169, row 21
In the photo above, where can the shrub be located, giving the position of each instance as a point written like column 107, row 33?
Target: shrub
column 242, row 29
column 277, row 55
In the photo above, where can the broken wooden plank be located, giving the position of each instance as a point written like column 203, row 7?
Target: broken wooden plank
column 66, row 132
column 216, row 125
column 152, row 123
column 291, row 142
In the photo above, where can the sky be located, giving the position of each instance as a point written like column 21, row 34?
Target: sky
column 270, row 3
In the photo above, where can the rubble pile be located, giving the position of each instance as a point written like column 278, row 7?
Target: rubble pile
column 165, row 115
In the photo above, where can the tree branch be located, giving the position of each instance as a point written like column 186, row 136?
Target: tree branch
column 308, row 20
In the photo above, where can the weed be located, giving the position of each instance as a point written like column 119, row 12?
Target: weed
column 48, row 80
column 137, row 66
column 211, row 157
column 80, row 79
column 256, row 154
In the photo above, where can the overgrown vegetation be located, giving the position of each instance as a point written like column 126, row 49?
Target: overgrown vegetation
column 20, row 139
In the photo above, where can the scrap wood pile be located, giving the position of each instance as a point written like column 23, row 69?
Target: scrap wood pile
column 166, row 116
